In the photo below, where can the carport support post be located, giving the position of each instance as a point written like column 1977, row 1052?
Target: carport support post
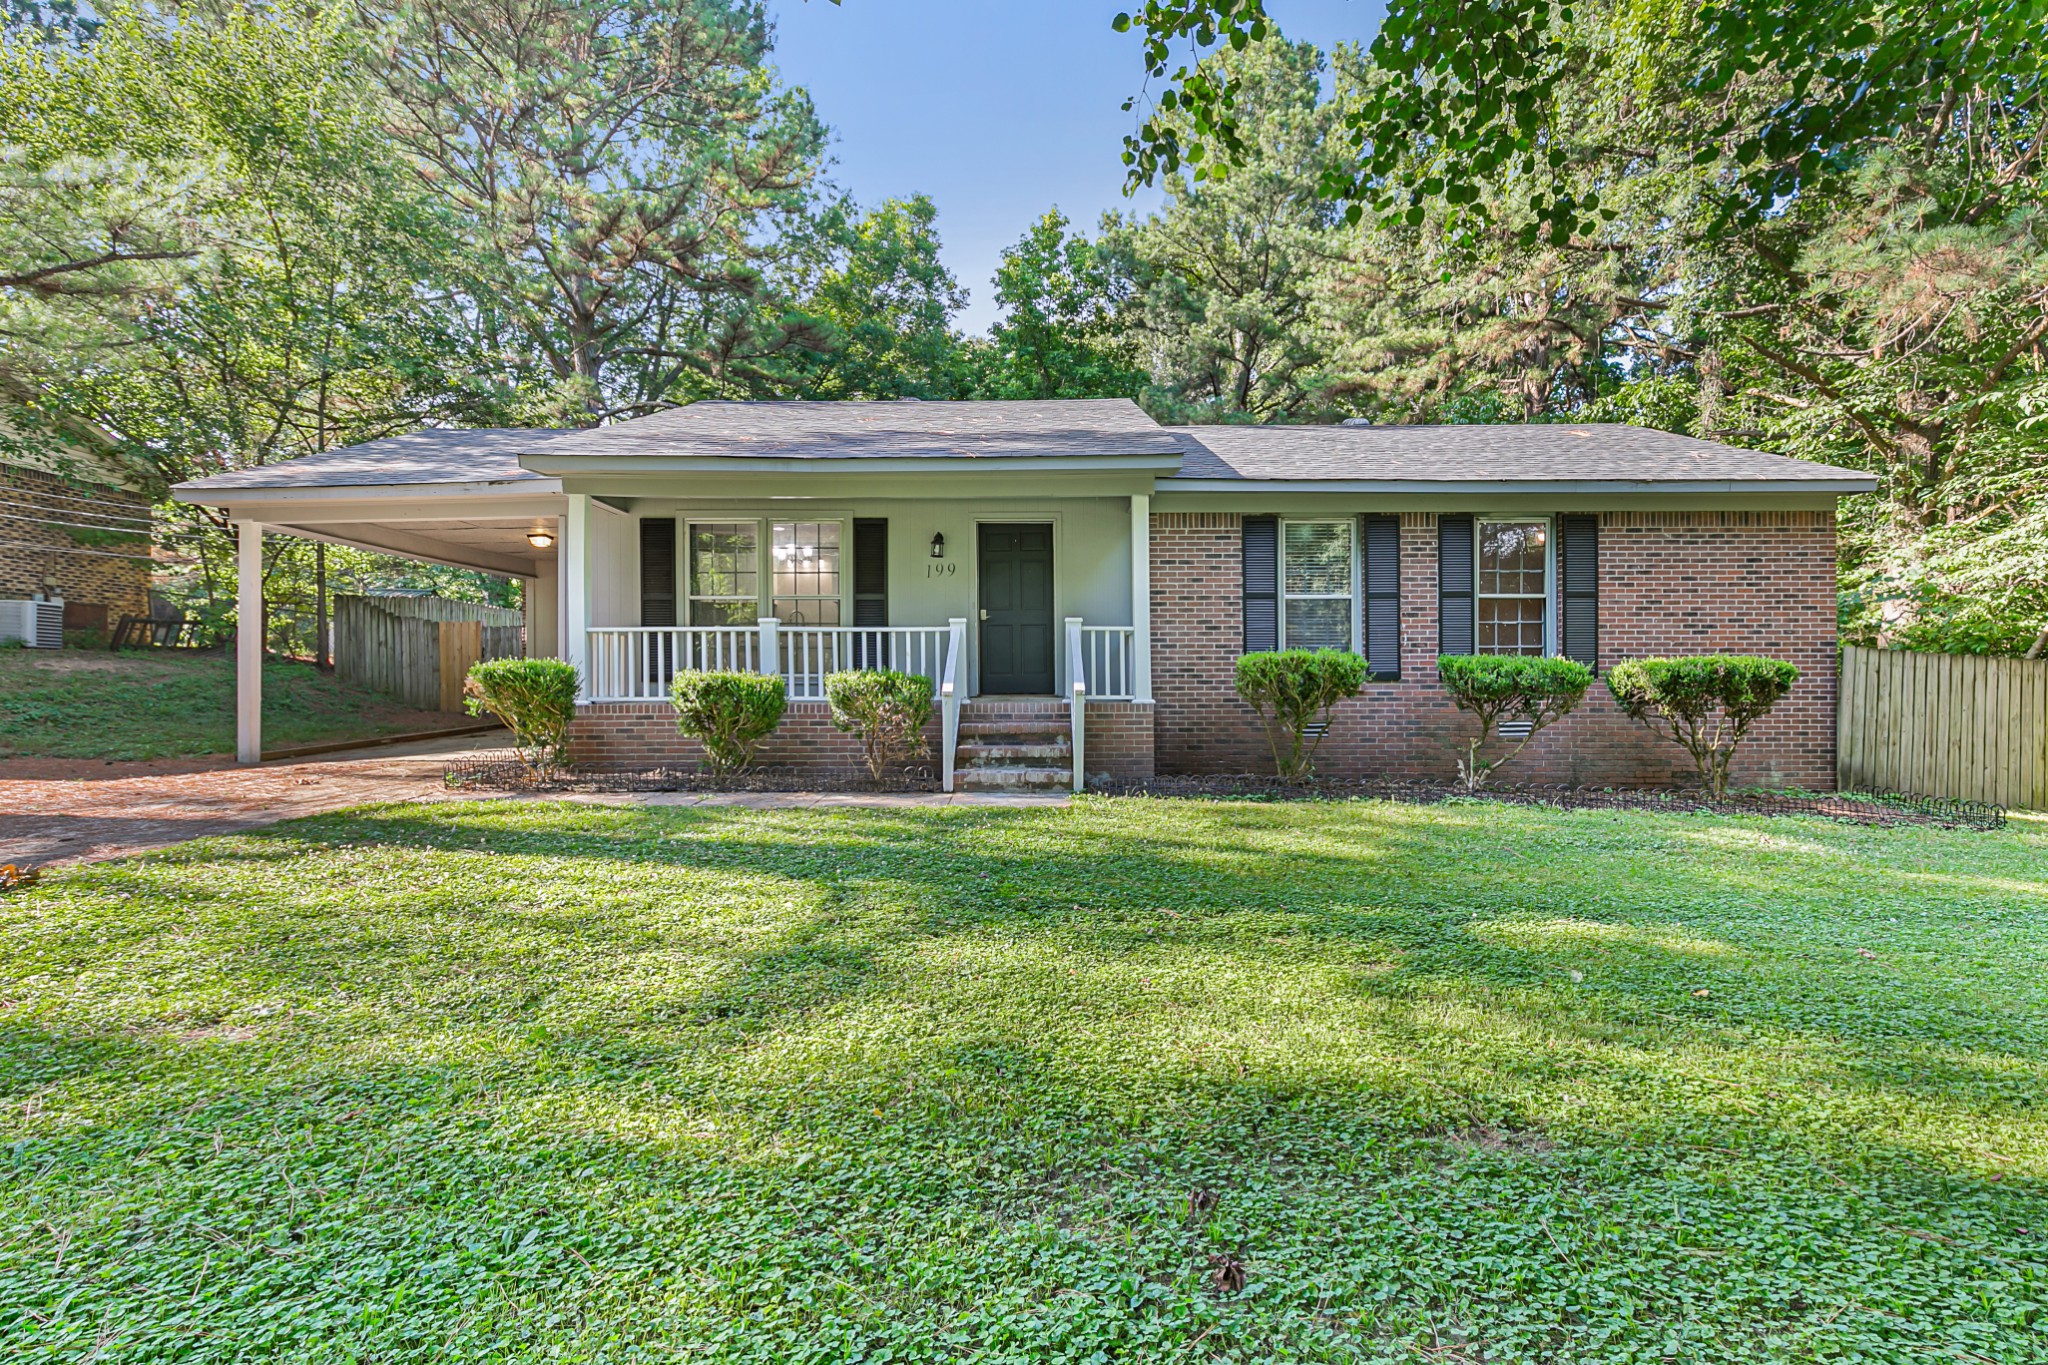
column 248, row 642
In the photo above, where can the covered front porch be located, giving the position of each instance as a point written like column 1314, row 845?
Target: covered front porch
column 1001, row 551
column 1015, row 601
column 1041, row 599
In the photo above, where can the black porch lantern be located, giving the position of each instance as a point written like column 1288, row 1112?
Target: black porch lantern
column 938, row 545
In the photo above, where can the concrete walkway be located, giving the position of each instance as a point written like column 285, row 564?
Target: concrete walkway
column 55, row 811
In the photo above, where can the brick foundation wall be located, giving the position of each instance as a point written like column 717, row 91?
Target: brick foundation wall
column 1670, row 583
column 1119, row 741
column 643, row 735
column 89, row 574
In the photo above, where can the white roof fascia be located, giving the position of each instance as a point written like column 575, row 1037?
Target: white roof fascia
column 1489, row 487
column 223, row 497
column 584, row 466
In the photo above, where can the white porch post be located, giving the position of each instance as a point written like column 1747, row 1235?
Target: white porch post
column 770, row 650
column 248, row 642
column 1141, row 595
column 573, row 564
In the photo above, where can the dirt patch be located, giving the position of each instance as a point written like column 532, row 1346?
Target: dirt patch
column 1502, row 1141
column 95, row 661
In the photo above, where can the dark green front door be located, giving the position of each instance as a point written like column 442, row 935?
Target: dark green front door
column 1016, row 609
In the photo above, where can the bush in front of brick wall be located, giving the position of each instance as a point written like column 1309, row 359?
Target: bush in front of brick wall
column 728, row 713
column 1497, row 687
column 536, row 698
column 887, row 709
column 1705, row 703
column 1293, row 691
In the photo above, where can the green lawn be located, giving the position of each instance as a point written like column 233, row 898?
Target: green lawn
column 503, row 1081
column 95, row 704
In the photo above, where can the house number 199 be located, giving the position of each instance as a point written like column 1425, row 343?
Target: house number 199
column 937, row 570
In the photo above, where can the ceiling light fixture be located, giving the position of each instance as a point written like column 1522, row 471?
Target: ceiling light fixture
column 540, row 540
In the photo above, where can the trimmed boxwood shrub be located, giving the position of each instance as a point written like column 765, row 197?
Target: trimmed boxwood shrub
column 536, row 698
column 1293, row 689
column 728, row 713
column 1705, row 703
column 887, row 709
column 1498, row 687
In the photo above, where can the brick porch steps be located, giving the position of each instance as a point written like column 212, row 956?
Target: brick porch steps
column 1011, row 747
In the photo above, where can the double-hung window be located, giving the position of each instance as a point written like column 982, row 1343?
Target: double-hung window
column 1513, row 586
column 732, row 582
column 725, row 573
column 1318, row 584
column 806, row 572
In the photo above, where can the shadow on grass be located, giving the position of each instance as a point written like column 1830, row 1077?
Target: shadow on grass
column 723, row 1071
column 836, row 914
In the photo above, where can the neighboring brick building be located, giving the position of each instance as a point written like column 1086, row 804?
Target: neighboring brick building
column 1020, row 554
column 74, row 522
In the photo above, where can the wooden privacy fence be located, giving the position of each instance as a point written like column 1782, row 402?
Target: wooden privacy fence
column 1955, row 725
column 420, row 648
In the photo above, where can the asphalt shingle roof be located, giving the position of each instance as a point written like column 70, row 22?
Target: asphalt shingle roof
column 1407, row 455
column 436, row 455
column 880, row 430
column 1531, row 453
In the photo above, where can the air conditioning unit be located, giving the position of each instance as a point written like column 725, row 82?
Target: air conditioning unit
column 38, row 623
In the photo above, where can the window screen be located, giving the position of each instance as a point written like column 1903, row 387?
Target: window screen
column 725, row 573
column 1513, row 587
column 806, row 572
column 1317, row 576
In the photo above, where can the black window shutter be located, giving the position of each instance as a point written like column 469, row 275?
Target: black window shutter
column 1382, row 541
column 871, row 571
column 871, row 590
column 657, row 571
column 1578, row 594
column 1261, row 583
column 1454, row 623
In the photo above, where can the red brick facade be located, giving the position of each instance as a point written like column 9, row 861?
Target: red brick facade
column 643, row 734
column 1669, row 583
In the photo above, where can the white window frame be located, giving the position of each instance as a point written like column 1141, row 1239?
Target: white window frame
column 1282, row 597
column 1549, row 593
column 764, row 558
column 845, row 548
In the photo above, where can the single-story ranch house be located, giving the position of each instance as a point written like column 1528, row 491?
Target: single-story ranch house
column 1078, row 581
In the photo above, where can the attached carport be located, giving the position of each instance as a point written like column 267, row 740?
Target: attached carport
column 457, row 498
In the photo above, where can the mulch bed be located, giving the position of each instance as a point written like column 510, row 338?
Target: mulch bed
column 503, row 775
column 1863, row 808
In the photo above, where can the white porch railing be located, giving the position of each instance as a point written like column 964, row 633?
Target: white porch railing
column 1077, row 698
column 636, row 663
column 952, row 683
column 1109, row 661
column 807, row 655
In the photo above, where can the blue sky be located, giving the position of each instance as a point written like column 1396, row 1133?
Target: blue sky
column 997, row 109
